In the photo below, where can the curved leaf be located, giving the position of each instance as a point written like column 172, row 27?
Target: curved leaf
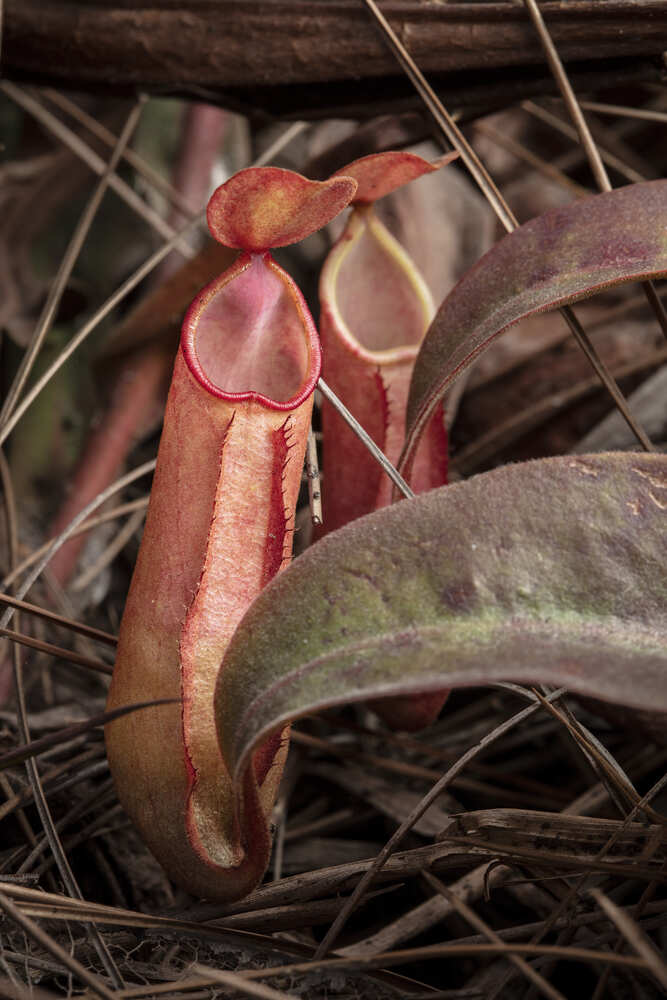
column 558, row 258
column 551, row 571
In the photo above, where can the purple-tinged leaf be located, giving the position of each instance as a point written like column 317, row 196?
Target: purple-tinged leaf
column 549, row 572
column 558, row 258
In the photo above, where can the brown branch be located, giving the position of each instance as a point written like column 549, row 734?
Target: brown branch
column 242, row 48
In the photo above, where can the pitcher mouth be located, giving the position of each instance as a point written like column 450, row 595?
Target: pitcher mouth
column 385, row 318
column 249, row 335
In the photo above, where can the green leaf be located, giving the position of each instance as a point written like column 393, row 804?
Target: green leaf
column 550, row 571
column 558, row 258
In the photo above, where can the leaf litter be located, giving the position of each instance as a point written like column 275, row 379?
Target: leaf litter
column 504, row 849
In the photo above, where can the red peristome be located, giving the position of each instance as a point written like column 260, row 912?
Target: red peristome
column 264, row 207
column 248, row 304
column 381, row 173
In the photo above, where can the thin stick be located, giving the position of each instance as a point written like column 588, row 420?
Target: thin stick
column 364, row 882
column 72, row 141
column 647, row 114
column 182, row 985
column 12, row 532
column 314, row 481
column 41, row 803
column 619, row 786
column 53, row 616
column 24, row 795
column 389, row 959
column 576, row 888
column 127, row 918
column 93, row 522
column 656, row 304
column 60, row 651
column 105, row 135
column 503, row 434
column 53, row 547
column 633, row 935
column 646, row 895
column 59, row 907
column 377, row 453
column 45, row 941
column 445, row 121
column 126, row 287
column 86, row 577
column 605, row 377
column 480, row 925
column 549, row 118
column 68, row 261
column 585, row 136
column 114, row 299
column 495, row 199
column 45, row 743
column 49, row 827
column 526, row 156
column 568, row 95
column 238, row 983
